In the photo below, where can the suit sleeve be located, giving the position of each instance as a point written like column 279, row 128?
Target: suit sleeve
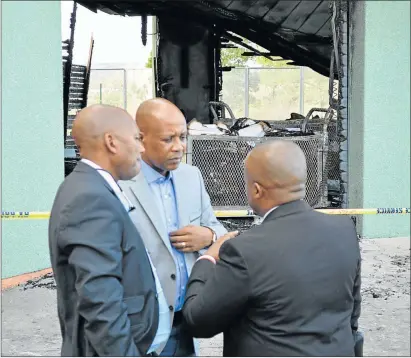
column 207, row 213
column 355, row 315
column 357, row 298
column 91, row 236
column 216, row 294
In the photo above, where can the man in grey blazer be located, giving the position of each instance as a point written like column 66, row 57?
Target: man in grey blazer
column 107, row 292
column 173, row 211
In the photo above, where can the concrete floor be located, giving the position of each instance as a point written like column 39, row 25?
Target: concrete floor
column 30, row 326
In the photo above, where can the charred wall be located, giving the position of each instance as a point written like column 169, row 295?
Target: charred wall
column 185, row 66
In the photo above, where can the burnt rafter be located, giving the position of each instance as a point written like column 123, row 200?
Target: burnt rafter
column 241, row 43
column 296, row 30
column 144, row 29
column 263, row 54
column 270, row 41
column 276, row 44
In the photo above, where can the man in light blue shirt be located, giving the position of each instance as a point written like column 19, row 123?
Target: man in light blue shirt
column 173, row 212
column 166, row 201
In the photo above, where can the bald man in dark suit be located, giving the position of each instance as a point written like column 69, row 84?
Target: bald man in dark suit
column 106, row 289
column 288, row 287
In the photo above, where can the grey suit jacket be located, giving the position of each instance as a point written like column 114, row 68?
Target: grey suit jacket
column 106, row 294
column 194, row 208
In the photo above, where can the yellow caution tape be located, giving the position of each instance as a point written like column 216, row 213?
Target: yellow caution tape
column 12, row 215
column 25, row 215
column 233, row 213
column 365, row 211
column 245, row 213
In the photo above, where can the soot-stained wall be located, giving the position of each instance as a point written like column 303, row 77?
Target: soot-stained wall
column 185, row 67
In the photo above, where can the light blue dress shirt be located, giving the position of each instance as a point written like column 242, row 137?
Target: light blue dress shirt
column 164, row 194
column 164, row 322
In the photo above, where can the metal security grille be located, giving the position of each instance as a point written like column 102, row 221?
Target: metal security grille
column 221, row 162
column 317, row 125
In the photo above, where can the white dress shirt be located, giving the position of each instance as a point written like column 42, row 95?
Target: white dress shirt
column 110, row 181
column 269, row 212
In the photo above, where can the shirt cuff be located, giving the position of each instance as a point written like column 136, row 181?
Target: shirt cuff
column 207, row 257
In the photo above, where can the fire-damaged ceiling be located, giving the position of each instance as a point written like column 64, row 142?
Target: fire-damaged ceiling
column 299, row 31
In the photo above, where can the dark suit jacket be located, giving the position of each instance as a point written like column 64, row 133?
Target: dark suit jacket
column 106, row 294
column 289, row 287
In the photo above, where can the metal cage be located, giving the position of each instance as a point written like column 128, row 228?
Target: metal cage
column 220, row 160
column 317, row 125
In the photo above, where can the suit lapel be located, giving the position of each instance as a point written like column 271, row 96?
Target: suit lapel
column 183, row 206
column 182, row 209
column 144, row 195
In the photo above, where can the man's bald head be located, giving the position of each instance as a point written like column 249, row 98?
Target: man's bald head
column 164, row 133
column 93, row 122
column 109, row 137
column 276, row 173
column 153, row 111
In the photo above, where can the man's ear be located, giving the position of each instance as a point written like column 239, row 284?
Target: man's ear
column 111, row 143
column 258, row 190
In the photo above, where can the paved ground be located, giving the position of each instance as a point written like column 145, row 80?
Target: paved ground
column 30, row 326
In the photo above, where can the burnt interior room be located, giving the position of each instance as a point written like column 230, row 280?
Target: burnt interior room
column 190, row 36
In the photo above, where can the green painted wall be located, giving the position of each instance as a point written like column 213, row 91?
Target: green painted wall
column 380, row 115
column 32, row 128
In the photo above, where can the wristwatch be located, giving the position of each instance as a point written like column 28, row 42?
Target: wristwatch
column 214, row 239
column 214, row 236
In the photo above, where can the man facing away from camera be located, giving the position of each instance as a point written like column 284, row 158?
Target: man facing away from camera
column 173, row 213
column 288, row 287
column 107, row 289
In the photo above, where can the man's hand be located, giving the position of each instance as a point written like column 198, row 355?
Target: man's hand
column 191, row 238
column 215, row 248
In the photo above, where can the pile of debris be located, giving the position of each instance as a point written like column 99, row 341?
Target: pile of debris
column 45, row 281
column 246, row 127
column 238, row 224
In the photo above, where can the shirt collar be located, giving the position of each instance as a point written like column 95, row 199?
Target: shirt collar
column 152, row 176
column 106, row 175
column 90, row 163
column 113, row 184
column 269, row 212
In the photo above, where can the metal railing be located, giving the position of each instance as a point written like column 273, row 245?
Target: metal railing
column 121, row 87
column 274, row 93
column 257, row 92
column 124, row 84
